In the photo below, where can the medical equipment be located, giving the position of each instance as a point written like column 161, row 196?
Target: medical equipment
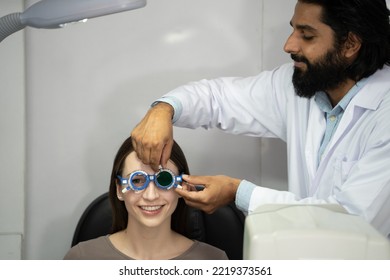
column 319, row 231
column 59, row 13
column 139, row 180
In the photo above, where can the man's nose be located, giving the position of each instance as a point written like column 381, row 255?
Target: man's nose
column 291, row 46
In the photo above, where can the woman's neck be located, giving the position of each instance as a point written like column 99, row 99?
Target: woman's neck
column 145, row 243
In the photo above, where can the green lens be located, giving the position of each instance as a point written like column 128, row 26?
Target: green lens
column 164, row 178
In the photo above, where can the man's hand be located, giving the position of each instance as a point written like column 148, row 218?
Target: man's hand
column 218, row 191
column 153, row 137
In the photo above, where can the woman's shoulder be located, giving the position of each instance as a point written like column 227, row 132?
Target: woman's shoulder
column 203, row 251
column 99, row 248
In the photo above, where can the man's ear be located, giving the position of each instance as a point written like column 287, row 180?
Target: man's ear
column 352, row 45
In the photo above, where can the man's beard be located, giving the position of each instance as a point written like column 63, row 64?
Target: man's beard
column 327, row 73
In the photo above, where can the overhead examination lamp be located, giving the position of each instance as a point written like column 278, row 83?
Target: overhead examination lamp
column 58, row 13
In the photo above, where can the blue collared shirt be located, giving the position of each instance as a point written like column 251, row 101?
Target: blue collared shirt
column 333, row 115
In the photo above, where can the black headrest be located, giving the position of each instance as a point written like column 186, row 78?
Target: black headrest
column 223, row 229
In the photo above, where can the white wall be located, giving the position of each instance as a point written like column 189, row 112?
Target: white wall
column 88, row 85
column 12, row 139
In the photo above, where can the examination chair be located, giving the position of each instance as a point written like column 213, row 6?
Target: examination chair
column 223, row 229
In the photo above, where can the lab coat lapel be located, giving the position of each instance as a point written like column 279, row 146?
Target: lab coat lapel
column 315, row 131
column 368, row 98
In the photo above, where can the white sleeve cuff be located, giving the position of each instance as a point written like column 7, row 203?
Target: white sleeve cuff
column 174, row 102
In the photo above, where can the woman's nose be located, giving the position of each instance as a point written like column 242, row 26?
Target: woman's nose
column 151, row 192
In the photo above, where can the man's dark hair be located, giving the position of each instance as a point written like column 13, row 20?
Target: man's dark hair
column 367, row 19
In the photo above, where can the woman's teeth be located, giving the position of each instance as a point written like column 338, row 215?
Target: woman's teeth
column 151, row 208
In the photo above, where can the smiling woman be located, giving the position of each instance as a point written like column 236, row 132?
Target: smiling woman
column 149, row 217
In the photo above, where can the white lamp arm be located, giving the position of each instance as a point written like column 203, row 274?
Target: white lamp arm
column 57, row 13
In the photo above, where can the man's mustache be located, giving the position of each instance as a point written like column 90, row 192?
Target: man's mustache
column 298, row 58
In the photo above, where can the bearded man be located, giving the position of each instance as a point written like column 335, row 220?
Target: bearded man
column 331, row 106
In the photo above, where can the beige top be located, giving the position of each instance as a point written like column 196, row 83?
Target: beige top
column 101, row 248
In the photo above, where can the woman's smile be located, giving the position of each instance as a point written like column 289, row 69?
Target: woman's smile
column 151, row 209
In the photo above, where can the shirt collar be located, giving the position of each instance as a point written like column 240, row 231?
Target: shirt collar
column 323, row 102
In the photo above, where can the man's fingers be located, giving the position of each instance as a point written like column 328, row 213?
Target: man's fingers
column 166, row 153
column 139, row 149
column 135, row 146
column 196, row 180
column 190, row 195
column 153, row 136
column 154, row 156
column 197, row 200
column 149, row 152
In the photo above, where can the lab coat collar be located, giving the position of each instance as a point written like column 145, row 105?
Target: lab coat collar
column 374, row 90
column 368, row 98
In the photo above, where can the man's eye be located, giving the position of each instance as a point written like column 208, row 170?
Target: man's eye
column 307, row 37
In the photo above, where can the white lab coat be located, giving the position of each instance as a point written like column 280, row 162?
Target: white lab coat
column 354, row 171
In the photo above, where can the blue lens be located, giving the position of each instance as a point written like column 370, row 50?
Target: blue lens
column 138, row 180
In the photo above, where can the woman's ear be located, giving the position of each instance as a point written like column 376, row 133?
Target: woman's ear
column 352, row 45
column 119, row 193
